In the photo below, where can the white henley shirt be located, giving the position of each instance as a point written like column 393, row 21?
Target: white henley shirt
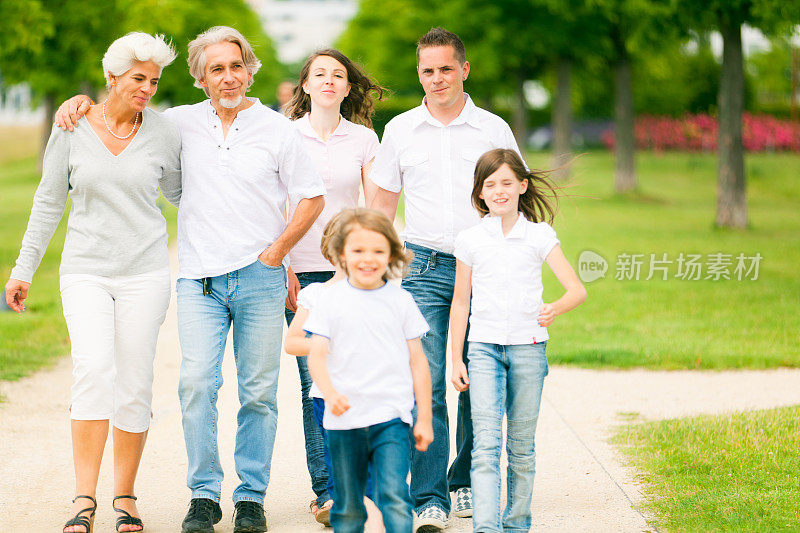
column 235, row 188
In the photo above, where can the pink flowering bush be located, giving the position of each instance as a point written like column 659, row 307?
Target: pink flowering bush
column 699, row 133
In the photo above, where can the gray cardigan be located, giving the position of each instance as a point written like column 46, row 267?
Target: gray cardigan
column 115, row 227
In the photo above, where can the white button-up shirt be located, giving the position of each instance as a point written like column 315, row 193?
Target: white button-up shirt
column 235, row 188
column 434, row 164
column 340, row 161
column 506, row 279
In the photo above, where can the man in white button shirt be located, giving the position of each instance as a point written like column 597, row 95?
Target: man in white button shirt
column 240, row 162
column 429, row 153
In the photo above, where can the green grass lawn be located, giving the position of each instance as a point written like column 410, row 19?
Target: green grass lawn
column 722, row 473
column 680, row 323
column 656, row 324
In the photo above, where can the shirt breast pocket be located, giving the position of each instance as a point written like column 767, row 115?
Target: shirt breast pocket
column 414, row 166
column 470, row 156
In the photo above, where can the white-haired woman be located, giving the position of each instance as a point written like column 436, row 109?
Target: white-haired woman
column 115, row 281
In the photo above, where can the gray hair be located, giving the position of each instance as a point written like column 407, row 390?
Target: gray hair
column 218, row 34
column 136, row 46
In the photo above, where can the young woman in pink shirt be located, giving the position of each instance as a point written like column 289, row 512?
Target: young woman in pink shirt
column 332, row 107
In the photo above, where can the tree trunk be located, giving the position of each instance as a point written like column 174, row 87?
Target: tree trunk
column 731, row 194
column 625, row 179
column 47, row 125
column 519, row 113
column 562, row 119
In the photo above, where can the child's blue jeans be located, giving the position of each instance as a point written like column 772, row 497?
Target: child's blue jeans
column 319, row 413
column 385, row 447
column 504, row 379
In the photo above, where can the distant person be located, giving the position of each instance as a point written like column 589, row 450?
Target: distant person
column 429, row 153
column 242, row 162
column 367, row 360
column 283, row 94
column 332, row 109
column 508, row 328
column 115, row 278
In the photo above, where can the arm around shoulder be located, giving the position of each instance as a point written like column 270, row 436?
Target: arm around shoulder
column 170, row 182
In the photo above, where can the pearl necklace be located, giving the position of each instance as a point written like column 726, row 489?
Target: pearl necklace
column 135, row 122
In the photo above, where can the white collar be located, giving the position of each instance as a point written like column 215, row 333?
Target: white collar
column 211, row 113
column 494, row 226
column 468, row 115
column 304, row 125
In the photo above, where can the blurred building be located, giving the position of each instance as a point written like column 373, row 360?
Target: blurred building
column 298, row 27
column 16, row 106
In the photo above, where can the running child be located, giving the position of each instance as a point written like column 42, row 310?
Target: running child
column 298, row 343
column 499, row 263
column 367, row 360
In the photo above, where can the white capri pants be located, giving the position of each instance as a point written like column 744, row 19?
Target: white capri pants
column 113, row 325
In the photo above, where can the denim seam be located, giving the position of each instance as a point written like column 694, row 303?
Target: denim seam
column 205, row 494
column 248, row 499
column 214, row 398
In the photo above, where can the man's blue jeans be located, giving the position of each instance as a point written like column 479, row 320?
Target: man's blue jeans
column 430, row 280
column 252, row 300
column 385, row 447
column 315, row 447
column 504, row 380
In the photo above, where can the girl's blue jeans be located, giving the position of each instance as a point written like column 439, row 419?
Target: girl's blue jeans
column 504, row 379
column 384, row 446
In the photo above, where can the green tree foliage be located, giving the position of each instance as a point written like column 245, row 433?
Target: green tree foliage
column 501, row 40
column 182, row 20
column 65, row 58
column 59, row 45
column 770, row 74
column 31, row 25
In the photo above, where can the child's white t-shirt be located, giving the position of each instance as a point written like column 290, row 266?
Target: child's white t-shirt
column 368, row 361
column 506, row 279
column 307, row 298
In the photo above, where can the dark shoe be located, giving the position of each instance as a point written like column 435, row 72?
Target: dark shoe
column 83, row 521
column 249, row 518
column 203, row 514
column 128, row 518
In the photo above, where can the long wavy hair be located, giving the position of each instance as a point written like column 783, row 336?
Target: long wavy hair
column 538, row 203
column 358, row 106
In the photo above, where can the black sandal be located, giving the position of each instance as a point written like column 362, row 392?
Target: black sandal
column 128, row 519
column 80, row 520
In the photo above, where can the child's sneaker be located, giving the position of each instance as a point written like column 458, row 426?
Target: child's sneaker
column 462, row 506
column 430, row 520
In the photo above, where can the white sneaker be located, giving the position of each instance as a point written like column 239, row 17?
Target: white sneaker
column 430, row 520
column 462, row 506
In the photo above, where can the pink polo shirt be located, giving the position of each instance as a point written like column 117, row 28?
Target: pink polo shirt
column 339, row 161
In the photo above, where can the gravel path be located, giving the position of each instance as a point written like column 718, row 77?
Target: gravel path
column 581, row 484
